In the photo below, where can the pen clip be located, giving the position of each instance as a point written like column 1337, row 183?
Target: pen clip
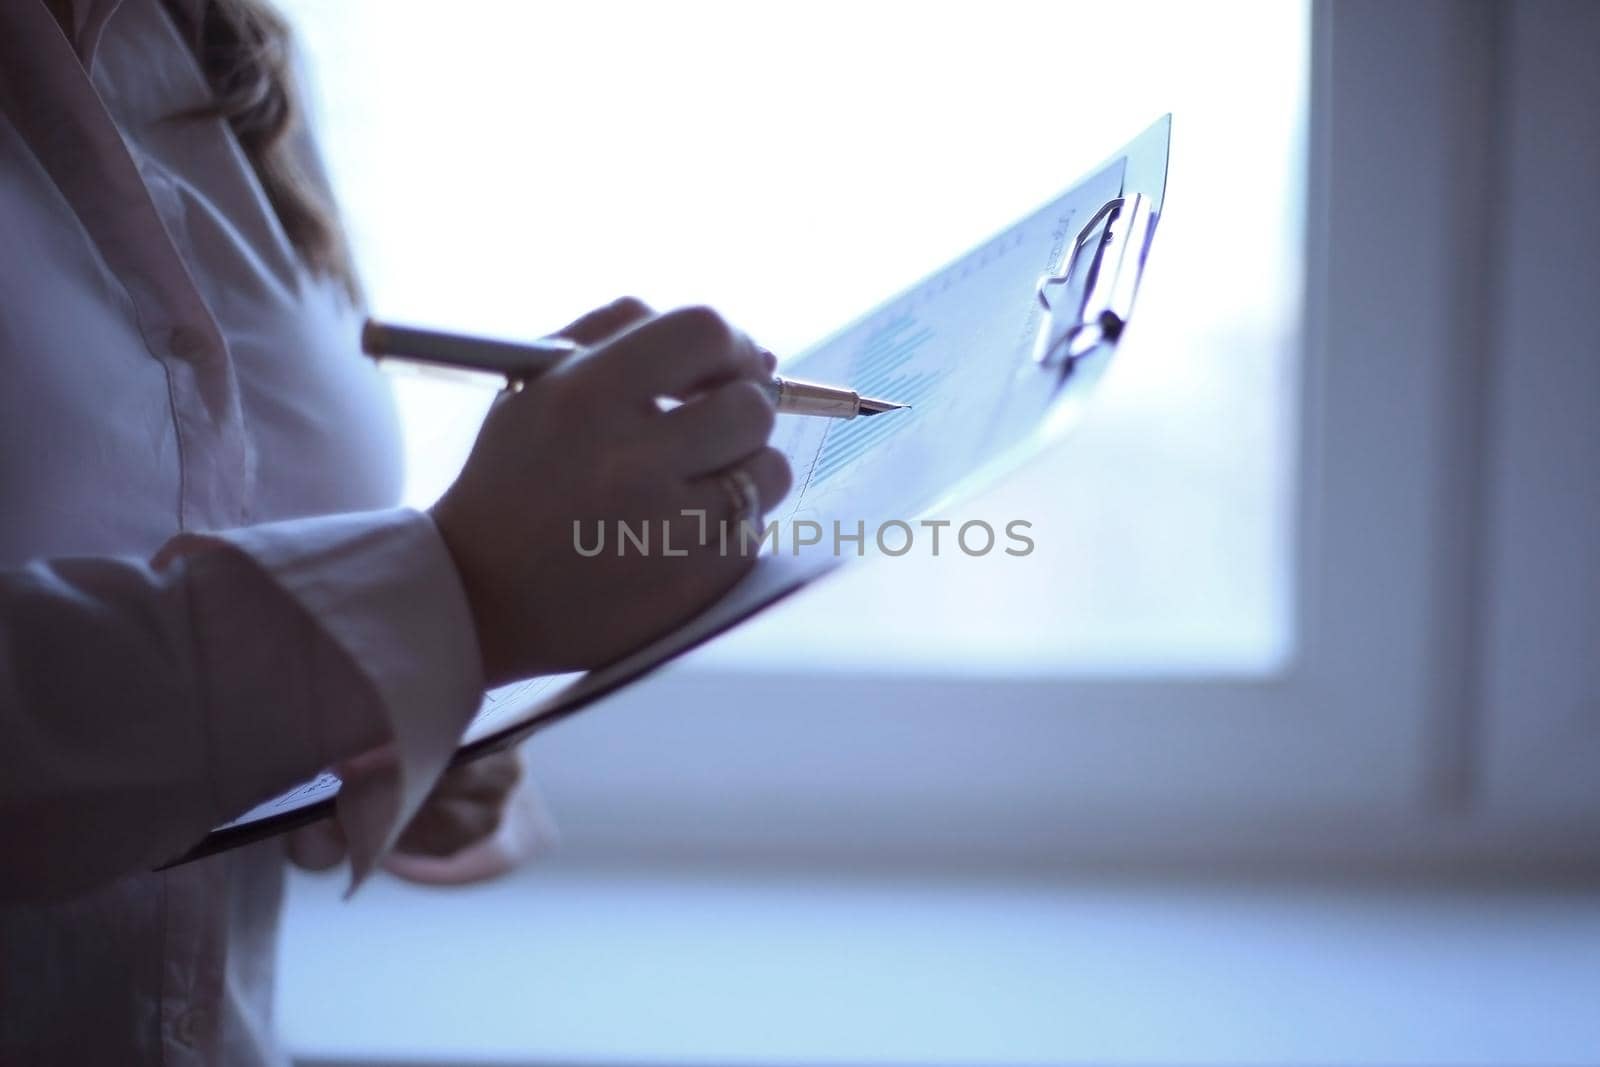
column 1107, row 278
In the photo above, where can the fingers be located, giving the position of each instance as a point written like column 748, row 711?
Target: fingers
column 467, row 804
column 717, row 428
column 768, row 471
column 678, row 354
column 446, row 825
column 488, row 778
column 602, row 324
column 318, row 846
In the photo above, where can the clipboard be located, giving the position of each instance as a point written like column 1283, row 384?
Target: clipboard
column 1020, row 329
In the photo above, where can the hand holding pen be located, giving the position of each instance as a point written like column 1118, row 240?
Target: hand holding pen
column 514, row 363
column 586, row 442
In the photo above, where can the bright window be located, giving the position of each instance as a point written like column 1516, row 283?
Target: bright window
column 504, row 166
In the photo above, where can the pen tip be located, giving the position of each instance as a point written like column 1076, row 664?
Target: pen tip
column 868, row 406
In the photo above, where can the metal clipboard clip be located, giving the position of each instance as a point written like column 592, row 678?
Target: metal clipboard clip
column 1103, row 264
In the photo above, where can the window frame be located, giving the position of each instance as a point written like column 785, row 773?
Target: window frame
column 1363, row 745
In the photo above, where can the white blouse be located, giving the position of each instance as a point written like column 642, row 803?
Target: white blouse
column 181, row 634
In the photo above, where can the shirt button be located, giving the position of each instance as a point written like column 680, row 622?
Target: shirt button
column 187, row 344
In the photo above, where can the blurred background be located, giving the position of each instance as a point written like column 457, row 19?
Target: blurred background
column 1283, row 747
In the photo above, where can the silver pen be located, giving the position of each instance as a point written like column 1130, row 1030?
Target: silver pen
column 486, row 361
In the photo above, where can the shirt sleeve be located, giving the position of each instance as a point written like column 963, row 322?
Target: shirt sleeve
column 143, row 704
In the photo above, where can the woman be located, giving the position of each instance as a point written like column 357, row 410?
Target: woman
column 206, row 594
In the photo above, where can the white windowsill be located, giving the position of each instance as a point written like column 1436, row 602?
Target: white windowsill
column 572, row 968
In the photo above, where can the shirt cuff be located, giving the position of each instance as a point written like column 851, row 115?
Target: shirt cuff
column 381, row 586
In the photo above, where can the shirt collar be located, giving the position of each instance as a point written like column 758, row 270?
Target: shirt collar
column 87, row 19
